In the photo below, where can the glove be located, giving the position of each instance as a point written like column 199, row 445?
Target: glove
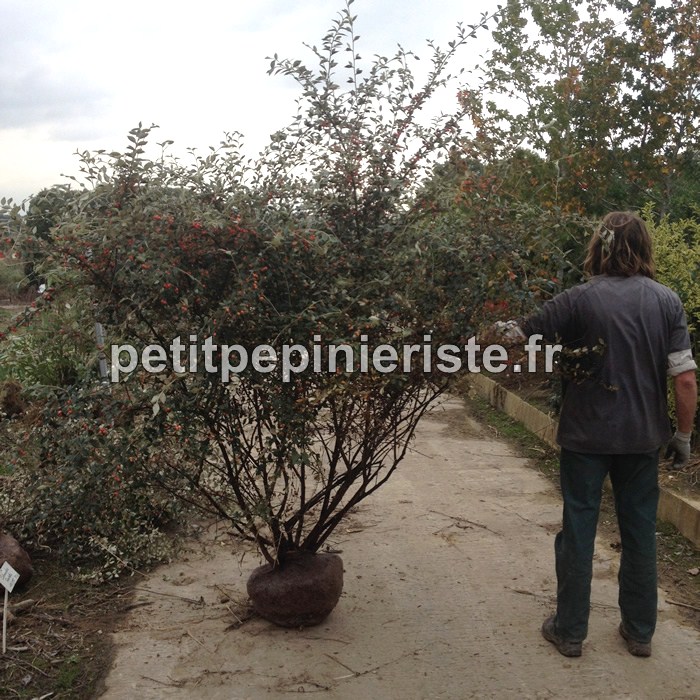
column 509, row 330
column 679, row 449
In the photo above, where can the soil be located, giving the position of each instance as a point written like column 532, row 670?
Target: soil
column 59, row 643
column 448, row 575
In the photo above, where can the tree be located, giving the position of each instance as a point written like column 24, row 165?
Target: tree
column 658, row 53
column 546, row 66
column 609, row 102
column 44, row 211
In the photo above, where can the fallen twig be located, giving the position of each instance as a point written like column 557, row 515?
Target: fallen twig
column 172, row 684
column 201, row 644
column 135, row 605
column 320, row 688
column 683, row 605
column 249, row 614
column 28, row 665
column 327, row 639
column 23, row 605
column 459, row 519
column 100, row 600
column 172, row 595
column 226, row 594
column 340, row 663
column 56, row 618
column 549, row 596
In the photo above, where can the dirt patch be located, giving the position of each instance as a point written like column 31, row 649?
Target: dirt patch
column 59, row 643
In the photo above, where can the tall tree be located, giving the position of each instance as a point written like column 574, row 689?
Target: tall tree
column 658, row 54
column 543, row 93
column 609, row 102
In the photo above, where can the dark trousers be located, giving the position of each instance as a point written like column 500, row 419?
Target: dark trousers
column 635, row 485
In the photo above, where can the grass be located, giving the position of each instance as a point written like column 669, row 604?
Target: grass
column 68, row 673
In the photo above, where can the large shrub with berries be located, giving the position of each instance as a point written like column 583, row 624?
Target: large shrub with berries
column 324, row 239
column 299, row 244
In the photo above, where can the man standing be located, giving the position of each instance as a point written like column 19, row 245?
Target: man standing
column 614, row 421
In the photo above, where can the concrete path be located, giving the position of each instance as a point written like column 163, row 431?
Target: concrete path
column 449, row 574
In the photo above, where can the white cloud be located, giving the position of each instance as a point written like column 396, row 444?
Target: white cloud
column 79, row 74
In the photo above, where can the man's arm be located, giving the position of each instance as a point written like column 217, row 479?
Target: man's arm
column 686, row 394
column 686, row 390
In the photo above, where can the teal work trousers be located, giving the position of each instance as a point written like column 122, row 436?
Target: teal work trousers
column 634, row 479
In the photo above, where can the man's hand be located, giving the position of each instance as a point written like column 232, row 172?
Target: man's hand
column 679, row 449
column 509, row 330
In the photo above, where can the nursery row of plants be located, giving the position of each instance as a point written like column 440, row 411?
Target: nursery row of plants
column 363, row 219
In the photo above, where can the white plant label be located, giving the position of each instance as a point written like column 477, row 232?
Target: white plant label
column 8, row 577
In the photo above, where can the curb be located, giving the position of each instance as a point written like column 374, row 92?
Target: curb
column 681, row 511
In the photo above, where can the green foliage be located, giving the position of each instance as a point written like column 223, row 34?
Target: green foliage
column 45, row 210
column 70, row 671
column 81, row 485
column 487, row 254
column 55, row 352
column 12, row 279
column 677, row 256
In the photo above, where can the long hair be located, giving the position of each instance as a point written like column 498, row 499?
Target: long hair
column 621, row 247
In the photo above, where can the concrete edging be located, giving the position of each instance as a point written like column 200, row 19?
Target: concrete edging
column 679, row 510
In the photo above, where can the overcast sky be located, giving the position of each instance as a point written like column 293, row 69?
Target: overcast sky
column 78, row 74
